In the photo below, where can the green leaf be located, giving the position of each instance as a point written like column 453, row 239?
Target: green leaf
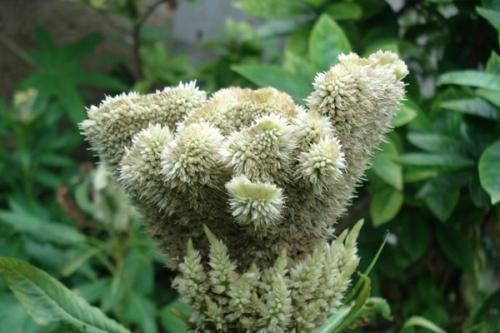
column 273, row 8
column 440, row 195
column 435, row 143
column 407, row 111
column 48, row 301
column 385, row 205
column 334, row 321
column 489, row 171
column 417, row 321
column 277, row 77
column 174, row 317
column 485, row 315
column 141, row 311
column 455, row 246
column 415, row 238
column 13, row 316
column 491, row 96
column 384, row 166
column 473, row 106
column 448, row 160
column 345, row 10
column 471, row 78
column 356, row 309
column 326, row 42
column 493, row 16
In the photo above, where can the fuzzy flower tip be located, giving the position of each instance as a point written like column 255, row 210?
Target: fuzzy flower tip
column 257, row 204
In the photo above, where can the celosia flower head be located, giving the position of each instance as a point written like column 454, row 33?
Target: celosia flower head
column 242, row 190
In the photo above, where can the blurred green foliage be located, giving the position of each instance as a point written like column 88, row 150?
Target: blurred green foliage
column 433, row 189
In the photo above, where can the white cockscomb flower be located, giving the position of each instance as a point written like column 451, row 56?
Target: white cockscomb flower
column 140, row 168
column 232, row 163
column 309, row 128
column 322, row 164
column 257, row 204
column 232, row 109
column 262, row 151
column 193, row 158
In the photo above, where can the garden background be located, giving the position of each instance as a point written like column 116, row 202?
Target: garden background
column 431, row 195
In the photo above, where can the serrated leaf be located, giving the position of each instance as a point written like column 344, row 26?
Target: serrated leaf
column 277, row 77
column 385, row 205
column 489, row 171
column 473, row 106
column 326, row 43
column 48, row 301
column 471, row 78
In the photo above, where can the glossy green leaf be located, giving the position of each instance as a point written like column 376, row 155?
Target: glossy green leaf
column 326, row 42
column 273, row 8
column 48, row 301
column 493, row 16
column 345, row 10
column 385, row 205
column 277, row 77
column 435, row 143
column 448, row 160
column 417, row 321
column 440, row 196
column 489, row 171
column 471, row 78
column 455, row 246
column 473, row 106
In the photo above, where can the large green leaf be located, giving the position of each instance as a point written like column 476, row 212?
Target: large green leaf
column 493, row 16
column 435, row 143
column 489, row 171
column 326, row 42
column 48, row 301
column 455, row 246
column 273, row 8
column 471, row 78
column 473, row 106
column 385, row 205
column 277, row 77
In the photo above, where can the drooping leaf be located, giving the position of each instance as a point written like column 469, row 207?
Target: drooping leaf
column 489, row 171
column 471, row 78
column 326, row 42
column 48, row 301
column 277, row 77
column 417, row 321
column 385, row 204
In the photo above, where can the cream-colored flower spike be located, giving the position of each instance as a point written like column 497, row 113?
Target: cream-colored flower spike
column 242, row 190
